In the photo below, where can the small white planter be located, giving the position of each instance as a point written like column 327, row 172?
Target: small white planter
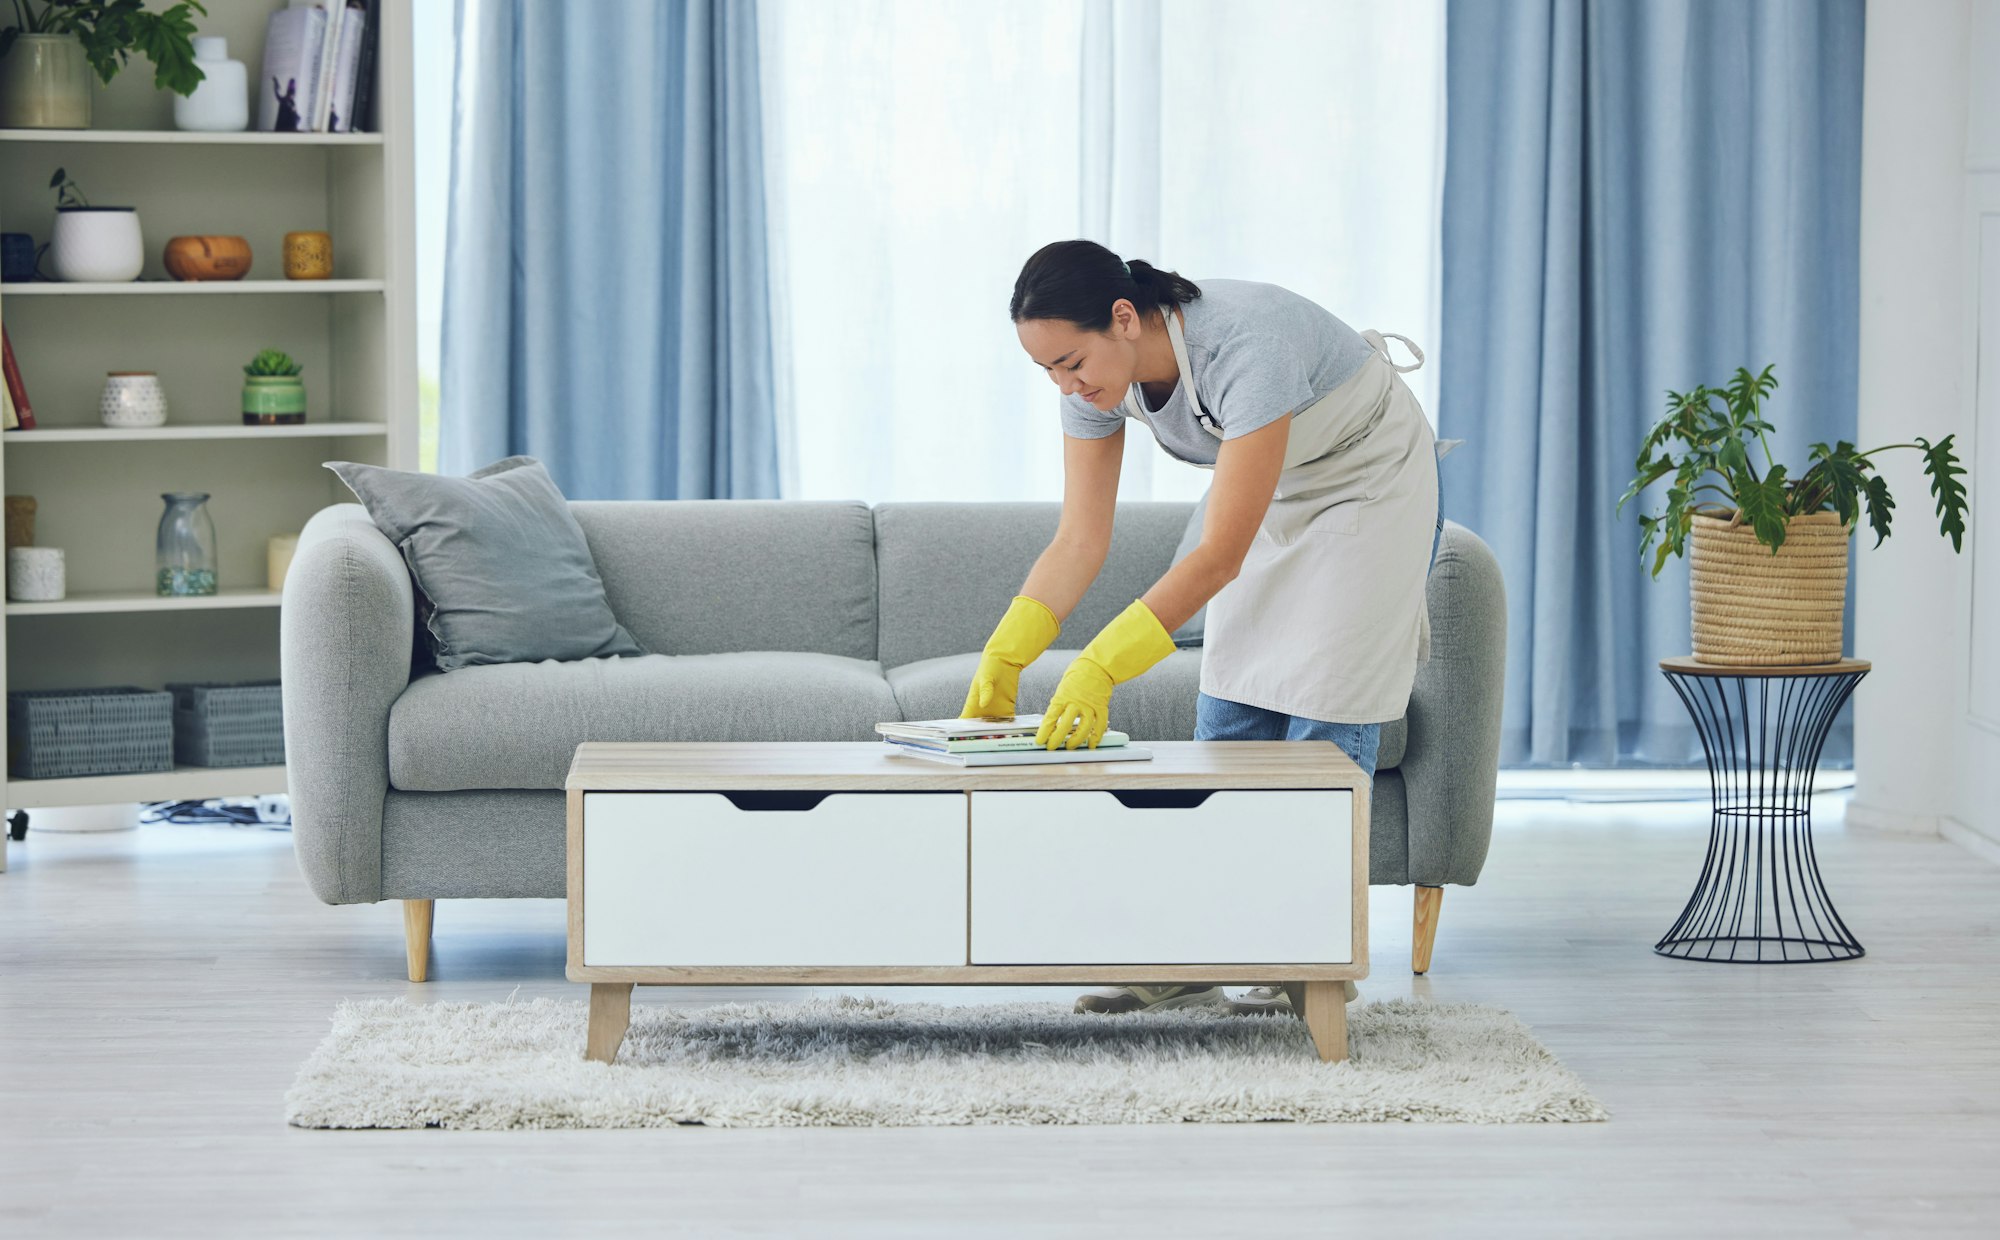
column 97, row 245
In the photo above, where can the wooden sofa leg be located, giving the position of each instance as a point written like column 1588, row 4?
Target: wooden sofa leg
column 1425, row 928
column 417, row 937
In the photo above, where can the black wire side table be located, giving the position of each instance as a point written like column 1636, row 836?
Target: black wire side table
column 1760, row 899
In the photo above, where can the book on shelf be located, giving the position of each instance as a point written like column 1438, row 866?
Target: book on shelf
column 293, row 39
column 20, row 414
column 329, row 55
column 344, row 91
column 312, row 66
column 363, row 108
column 9, row 420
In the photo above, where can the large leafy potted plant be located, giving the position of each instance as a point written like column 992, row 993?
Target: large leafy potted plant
column 46, row 55
column 1769, row 550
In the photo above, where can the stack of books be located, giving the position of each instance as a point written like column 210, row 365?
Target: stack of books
column 990, row 742
column 319, row 67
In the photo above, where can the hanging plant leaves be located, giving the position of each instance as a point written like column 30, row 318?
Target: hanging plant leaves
column 1943, row 467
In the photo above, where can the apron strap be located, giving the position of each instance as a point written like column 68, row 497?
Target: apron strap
column 1379, row 341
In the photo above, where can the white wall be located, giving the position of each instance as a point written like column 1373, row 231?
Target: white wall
column 1930, row 134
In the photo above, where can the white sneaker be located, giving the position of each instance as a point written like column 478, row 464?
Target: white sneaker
column 1272, row 1000
column 1262, row 1001
column 1113, row 1000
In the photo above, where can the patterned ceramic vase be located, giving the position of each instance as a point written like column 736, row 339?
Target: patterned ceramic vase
column 132, row 398
column 308, row 256
column 35, row 574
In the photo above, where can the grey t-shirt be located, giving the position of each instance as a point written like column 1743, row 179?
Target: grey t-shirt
column 1258, row 351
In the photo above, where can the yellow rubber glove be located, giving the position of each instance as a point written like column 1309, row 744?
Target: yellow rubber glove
column 1126, row 647
column 1019, row 639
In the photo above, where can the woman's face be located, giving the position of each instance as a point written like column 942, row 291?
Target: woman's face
column 1097, row 366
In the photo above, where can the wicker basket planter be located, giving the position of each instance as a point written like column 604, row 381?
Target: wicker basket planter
column 1756, row 609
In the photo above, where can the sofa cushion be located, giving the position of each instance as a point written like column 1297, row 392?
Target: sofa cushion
column 1195, row 627
column 713, row 575
column 518, row 725
column 1395, row 736
column 949, row 569
column 1158, row 706
column 502, row 571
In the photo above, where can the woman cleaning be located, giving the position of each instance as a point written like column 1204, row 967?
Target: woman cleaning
column 1322, row 518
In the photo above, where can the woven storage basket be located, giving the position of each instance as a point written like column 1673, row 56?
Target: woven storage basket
column 228, row 724
column 1756, row 609
column 68, row 733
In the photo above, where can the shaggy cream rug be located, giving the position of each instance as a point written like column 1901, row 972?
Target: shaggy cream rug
column 862, row 1061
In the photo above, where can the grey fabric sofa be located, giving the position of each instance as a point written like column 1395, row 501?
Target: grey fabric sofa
column 776, row 620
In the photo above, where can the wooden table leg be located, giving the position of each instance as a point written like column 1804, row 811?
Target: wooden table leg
column 1326, row 1018
column 610, row 1015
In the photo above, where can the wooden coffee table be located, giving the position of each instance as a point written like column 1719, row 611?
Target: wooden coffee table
column 844, row 864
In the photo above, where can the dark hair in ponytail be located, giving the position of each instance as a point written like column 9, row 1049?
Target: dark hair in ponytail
column 1077, row 281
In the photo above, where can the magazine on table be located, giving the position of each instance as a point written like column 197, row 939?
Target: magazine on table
column 1032, row 756
column 986, row 739
column 991, row 742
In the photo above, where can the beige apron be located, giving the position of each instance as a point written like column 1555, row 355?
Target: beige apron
column 1327, row 618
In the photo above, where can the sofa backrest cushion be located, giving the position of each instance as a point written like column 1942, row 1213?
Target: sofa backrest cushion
column 948, row 570
column 502, row 573
column 713, row 576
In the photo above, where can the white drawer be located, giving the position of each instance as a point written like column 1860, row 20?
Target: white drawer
column 1242, row 877
column 694, row 878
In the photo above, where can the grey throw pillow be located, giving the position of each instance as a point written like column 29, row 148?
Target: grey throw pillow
column 502, row 570
column 1190, row 634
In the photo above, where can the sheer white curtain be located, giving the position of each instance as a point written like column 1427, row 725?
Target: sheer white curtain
column 918, row 152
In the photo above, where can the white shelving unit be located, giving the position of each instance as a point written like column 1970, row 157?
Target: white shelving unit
column 205, row 288
column 97, row 489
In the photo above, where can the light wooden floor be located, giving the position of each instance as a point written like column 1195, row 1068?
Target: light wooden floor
column 159, row 988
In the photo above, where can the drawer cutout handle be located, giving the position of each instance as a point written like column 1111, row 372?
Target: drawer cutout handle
column 1162, row 798
column 783, row 799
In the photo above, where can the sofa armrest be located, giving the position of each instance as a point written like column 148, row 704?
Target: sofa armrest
column 1451, row 765
column 346, row 626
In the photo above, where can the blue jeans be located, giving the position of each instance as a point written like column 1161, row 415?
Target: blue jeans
column 1216, row 719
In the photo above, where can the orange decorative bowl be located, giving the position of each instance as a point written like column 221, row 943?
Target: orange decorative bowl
column 207, row 258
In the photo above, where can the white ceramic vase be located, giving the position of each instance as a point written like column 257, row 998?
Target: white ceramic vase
column 132, row 398
column 221, row 102
column 97, row 245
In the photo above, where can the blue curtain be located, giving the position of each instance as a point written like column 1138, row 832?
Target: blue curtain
column 606, row 305
column 1638, row 196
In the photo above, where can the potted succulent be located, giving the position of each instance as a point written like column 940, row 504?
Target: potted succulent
column 273, row 395
column 1769, row 550
column 48, row 51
